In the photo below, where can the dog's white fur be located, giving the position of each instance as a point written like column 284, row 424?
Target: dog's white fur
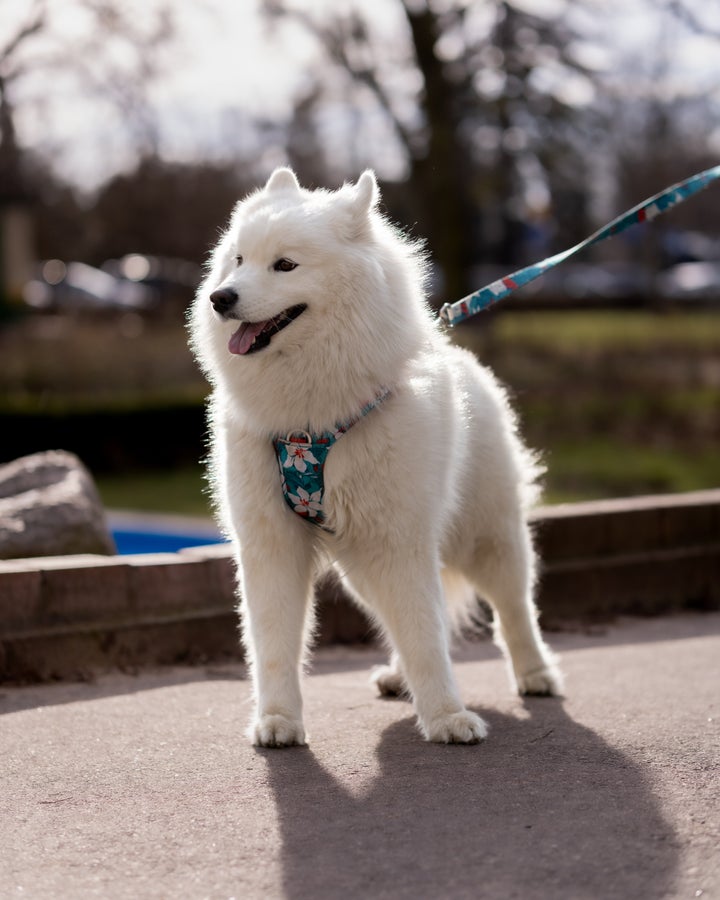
column 427, row 494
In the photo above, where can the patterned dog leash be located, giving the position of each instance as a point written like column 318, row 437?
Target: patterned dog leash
column 452, row 313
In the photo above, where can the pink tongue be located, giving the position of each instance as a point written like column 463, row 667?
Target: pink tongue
column 242, row 339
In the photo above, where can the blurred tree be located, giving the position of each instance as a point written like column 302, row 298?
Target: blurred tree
column 116, row 53
column 691, row 16
column 16, row 237
column 304, row 144
column 485, row 103
column 59, row 216
column 663, row 133
column 167, row 209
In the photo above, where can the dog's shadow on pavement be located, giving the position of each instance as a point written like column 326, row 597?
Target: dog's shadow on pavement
column 543, row 809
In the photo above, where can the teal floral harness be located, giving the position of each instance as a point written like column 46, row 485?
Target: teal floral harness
column 301, row 457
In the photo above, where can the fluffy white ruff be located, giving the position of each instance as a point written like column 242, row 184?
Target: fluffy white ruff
column 427, row 495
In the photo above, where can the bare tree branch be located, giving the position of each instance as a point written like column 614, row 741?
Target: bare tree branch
column 688, row 17
column 339, row 38
column 36, row 22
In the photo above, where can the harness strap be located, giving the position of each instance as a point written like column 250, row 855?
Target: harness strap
column 301, row 457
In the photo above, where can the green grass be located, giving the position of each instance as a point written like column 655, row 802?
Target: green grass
column 591, row 470
column 609, row 330
column 618, row 403
column 577, row 470
column 181, row 491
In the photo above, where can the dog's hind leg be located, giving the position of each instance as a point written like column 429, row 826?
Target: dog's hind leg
column 504, row 576
column 408, row 603
column 389, row 679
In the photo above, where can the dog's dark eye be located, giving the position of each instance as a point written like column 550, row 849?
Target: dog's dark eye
column 284, row 265
column 239, row 260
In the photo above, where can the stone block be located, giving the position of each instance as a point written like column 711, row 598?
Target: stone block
column 77, row 591
column 20, row 599
column 176, row 582
column 49, row 505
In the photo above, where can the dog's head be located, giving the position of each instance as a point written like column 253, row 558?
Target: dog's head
column 286, row 256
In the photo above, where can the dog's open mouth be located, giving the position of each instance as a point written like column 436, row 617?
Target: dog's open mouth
column 253, row 336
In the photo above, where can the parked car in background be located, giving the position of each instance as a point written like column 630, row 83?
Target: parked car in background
column 173, row 281
column 691, row 282
column 612, row 283
column 65, row 286
column 578, row 285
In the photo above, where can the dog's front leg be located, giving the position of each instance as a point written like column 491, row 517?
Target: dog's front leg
column 276, row 596
column 275, row 566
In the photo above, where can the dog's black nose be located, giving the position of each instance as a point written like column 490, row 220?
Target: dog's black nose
column 223, row 300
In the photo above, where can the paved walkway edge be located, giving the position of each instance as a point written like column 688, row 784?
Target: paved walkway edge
column 65, row 617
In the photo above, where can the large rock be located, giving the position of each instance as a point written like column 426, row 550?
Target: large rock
column 49, row 506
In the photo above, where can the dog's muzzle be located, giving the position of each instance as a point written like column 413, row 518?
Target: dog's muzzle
column 223, row 300
column 251, row 336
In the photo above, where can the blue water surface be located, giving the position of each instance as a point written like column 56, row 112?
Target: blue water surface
column 129, row 540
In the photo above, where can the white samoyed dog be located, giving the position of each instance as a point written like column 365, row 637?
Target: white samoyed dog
column 347, row 430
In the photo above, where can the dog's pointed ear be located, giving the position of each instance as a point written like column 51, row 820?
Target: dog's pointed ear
column 358, row 201
column 367, row 192
column 282, row 179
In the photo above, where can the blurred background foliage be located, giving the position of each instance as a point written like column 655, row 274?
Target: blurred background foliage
column 501, row 131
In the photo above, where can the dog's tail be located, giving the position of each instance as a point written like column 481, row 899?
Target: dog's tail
column 467, row 615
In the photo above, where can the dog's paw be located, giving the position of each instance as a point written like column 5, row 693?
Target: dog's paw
column 388, row 681
column 462, row 727
column 547, row 682
column 277, row 731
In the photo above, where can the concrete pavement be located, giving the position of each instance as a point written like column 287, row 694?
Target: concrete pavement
column 144, row 787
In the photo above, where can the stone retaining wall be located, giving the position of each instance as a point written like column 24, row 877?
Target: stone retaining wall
column 67, row 617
